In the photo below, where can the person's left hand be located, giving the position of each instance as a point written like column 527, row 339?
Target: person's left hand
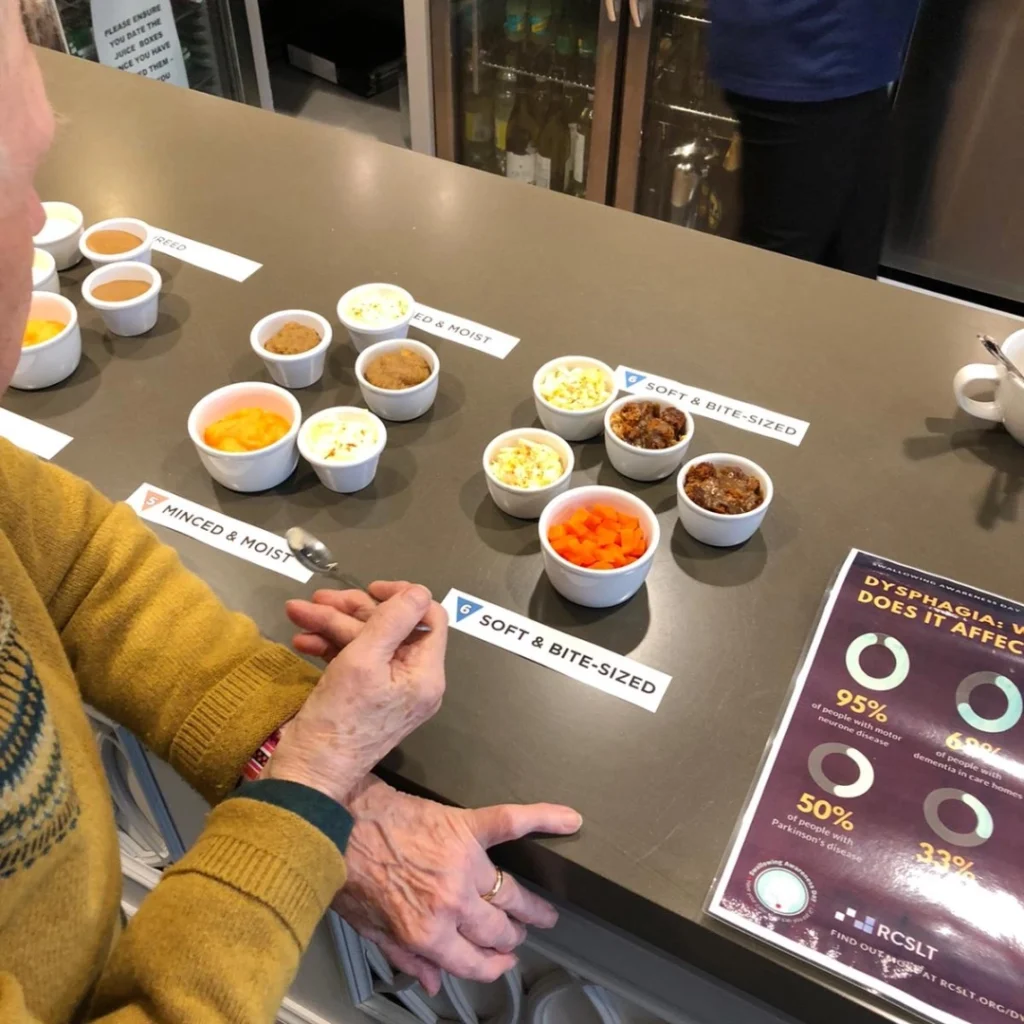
column 332, row 620
column 417, row 869
column 417, row 874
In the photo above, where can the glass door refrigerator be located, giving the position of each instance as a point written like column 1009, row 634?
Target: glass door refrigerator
column 606, row 99
column 678, row 143
column 214, row 46
column 528, row 89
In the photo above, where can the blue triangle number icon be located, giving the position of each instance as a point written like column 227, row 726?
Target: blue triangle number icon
column 464, row 608
column 633, row 378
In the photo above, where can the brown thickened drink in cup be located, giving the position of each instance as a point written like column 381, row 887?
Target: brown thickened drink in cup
column 120, row 291
column 112, row 242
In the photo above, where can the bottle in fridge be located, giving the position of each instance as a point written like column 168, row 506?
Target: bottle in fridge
column 504, row 101
column 516, row 27
column 477, row 113
column 521, row 139
column 540, row 37
column 553, row 142
column 580, row 133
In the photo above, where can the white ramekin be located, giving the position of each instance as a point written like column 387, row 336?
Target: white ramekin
column 521, row 502
column 715, row 528
column 579, row 424
column 644, row 463
column 404, row 404
column 299, row 370
column 247, row 471
column 44, row 272
column 61, row 234
column 345, row 477
column 41, row 366
column 134, row 316
column 363, row 335
column 142, row 253
column 597, row 588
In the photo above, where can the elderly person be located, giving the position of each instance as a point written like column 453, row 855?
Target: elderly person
column 93, row 608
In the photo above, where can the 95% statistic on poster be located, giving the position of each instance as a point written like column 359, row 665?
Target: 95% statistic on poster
column 861, row 705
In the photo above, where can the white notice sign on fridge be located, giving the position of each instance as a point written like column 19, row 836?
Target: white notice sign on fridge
column 139, row 36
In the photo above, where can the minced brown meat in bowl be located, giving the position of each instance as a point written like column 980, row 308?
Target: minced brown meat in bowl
column 727, row 490
column 649, row 425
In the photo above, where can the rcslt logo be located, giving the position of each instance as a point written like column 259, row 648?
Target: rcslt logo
column 895, row 937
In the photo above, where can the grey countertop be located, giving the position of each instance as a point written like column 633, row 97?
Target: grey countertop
column 887, row 465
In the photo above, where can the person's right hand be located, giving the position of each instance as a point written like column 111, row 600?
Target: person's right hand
column 385, row 683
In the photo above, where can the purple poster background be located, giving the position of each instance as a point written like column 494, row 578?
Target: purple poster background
column 885, row 837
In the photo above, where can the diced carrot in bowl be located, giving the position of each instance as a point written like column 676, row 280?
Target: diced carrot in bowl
column 599, row 538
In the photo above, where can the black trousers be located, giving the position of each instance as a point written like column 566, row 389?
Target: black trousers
column 815, row 178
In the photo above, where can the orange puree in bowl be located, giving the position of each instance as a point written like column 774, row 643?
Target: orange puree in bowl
column 246, row 430
column 38, row 331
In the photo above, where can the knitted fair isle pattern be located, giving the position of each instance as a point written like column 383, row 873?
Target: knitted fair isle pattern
column 38, row 805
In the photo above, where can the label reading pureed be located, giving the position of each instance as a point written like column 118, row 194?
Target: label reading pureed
column 716, row 407
column 207, row 257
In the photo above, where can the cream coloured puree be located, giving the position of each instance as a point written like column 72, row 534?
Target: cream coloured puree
column 342, row 438
column 377, row 307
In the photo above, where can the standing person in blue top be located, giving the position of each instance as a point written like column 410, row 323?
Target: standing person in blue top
column 809, row 82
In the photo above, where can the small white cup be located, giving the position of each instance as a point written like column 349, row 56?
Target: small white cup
column 644, row 463
column 61, row 234
column 1008, row 406
column 247, row 471
column 406, row 403
column 362, row 334
column 344, row 477
column 716, row 528
column 142, row 253
column 521, row 502
column 48, row 363
column 573, row 424
column 44, row 272
column 597, row 588
column 299, row 370
column 134, row 316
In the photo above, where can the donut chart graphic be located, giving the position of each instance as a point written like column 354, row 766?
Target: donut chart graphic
column 1014, row 704
column 781, row 891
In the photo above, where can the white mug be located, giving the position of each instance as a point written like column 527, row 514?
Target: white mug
column 1008, row 406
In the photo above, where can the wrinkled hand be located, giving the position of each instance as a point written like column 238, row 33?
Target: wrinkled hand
column 416, row 874
column 384, row 683
column 417, row 869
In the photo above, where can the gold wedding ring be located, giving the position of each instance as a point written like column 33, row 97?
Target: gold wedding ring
column 496, row 888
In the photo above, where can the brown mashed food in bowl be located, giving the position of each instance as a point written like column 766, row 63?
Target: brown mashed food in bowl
column 292, row 339
column 399, row 369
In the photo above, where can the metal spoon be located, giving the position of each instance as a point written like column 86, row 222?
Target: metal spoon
column 997, row 353
column 315, row 555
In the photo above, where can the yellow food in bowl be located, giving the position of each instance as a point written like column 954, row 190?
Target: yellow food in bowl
column 527, row 464
column 246, row 430
column 38, row 331
column 576, row 388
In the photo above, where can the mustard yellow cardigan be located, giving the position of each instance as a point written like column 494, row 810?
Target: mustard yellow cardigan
column 94, row 609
